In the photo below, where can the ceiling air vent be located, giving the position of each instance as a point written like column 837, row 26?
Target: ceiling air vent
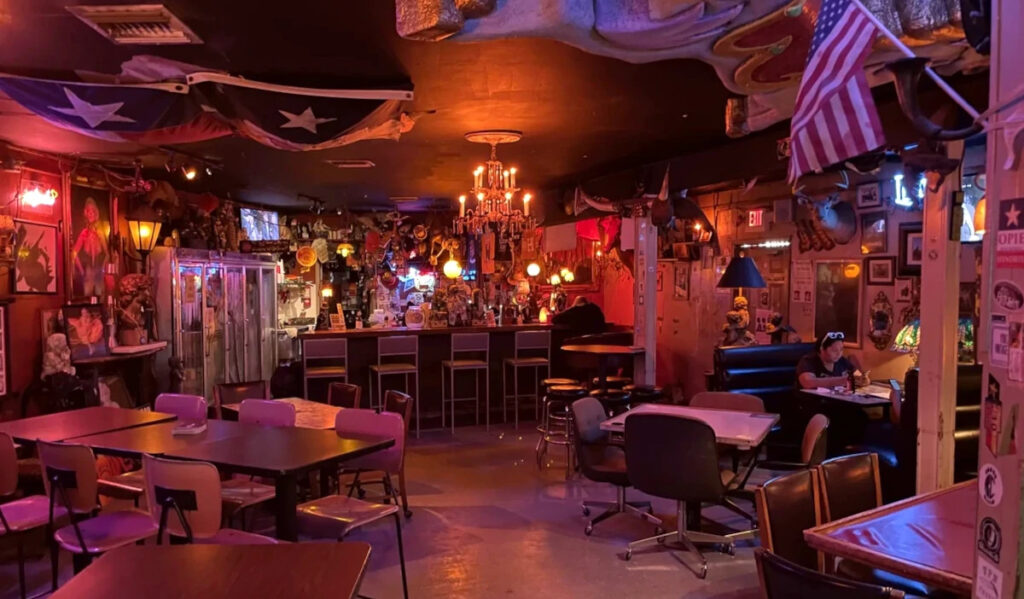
column 139, row 24
column 351, row 163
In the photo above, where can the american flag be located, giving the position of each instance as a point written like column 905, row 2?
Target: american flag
column 835, row 116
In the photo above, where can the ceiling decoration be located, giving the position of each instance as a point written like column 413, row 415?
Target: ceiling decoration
column 496, row 193
column 757, row 47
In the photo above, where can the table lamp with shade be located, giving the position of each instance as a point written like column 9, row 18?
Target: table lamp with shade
column 740, row 273
column 144, row 226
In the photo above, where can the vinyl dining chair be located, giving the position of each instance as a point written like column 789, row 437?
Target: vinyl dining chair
column 783, row 579
column 186, row 503
column 132, row 485
column 69, row 476
column 21, row 516
column 724, row 400
column 395, row 402
column 266, row 412
column 231, row 393
column 344, row 395
column 241, row 492
column 787, row 506
column 335, row 516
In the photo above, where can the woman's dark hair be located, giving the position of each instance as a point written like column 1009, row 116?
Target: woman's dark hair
column 826, row 341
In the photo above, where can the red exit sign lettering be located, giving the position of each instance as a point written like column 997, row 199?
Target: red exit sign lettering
column 755, row 218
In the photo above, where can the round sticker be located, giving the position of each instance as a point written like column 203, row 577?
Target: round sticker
column 990, row 485
column 1007, row 296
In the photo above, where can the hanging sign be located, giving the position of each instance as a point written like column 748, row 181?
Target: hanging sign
column 271, row 246
column 1010, row 234
column 755, row 219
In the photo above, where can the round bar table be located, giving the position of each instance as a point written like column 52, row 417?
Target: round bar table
column 603, row 352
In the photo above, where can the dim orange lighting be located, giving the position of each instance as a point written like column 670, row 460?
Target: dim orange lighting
column 696, row 227
column 851, row 271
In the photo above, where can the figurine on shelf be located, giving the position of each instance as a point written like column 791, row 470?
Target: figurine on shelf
column 135, row 300
column 735, row 331
column 780, row 333
column 58, row 356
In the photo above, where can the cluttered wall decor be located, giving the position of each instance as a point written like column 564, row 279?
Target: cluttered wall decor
column 35, row 263
column 911, row 249
column 873, row 232
column 881, row 271
column 880, row 320
column 837, row 287
column 87, row 330
column 90, row 213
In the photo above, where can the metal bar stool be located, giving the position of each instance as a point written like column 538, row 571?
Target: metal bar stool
column 611, row 382
column 614, row 401
column 639, row 394
column 465, row 356
column 324, row 358
column 555, row 428
column 397, row 350
column 528, row 347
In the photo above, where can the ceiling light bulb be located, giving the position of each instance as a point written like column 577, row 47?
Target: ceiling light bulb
column 556, row 280
column 452, row 269
column 189, row 172
column 480, row 197
column 508, row 195
column 533, row 269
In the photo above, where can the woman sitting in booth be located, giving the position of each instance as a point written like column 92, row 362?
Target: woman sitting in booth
column 828, row 367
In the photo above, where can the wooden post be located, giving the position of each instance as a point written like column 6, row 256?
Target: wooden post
column 940, row 293
column 645, row 262
column 998, row 555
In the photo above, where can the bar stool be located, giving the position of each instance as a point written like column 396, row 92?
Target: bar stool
column 555, row 428
column 401, row 347
column 465, row 356
column 528, row 344
column 613, row 382
column 639, row 394
column 324, row 358
column 615, row 401
column 547, row 384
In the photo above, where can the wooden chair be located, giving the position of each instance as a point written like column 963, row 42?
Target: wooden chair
column 786, row 506
column 235, row 392
column 782, row 579
column 344, row 395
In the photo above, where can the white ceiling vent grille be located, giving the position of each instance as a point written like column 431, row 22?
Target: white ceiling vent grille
column 139, row 24
column 344, row 163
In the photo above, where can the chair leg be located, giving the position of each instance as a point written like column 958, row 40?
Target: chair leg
column 21, row 566
column 476, row 375
column 451, row 381
column 443, row 399
column 401, row 555
column 487, row 397
column 515, row 392
column 54, row 556
column 504, row 393
column 405, row 495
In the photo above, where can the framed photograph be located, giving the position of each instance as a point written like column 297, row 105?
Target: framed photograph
column 869, row 195
column 873, row 233
column 35, row 263
column 49, row 323
column 682, row 282
column 837, row 297
column 881, row 271
column 87, row 330
column 904, row 290
column 89, row 213
column 911, row 249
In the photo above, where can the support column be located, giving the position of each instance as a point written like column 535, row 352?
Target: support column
column 645, row 263
column 940, row 293
column 998, row 560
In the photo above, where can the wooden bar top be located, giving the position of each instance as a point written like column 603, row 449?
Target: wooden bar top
column 383, row 332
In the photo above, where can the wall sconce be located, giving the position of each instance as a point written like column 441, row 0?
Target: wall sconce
column 144, row 225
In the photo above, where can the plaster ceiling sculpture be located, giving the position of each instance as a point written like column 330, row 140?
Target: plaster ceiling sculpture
column 757, row 47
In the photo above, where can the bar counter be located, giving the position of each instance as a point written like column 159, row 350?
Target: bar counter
column 434, row 347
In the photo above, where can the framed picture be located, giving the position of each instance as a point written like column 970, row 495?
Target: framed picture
column 911, row 249
column 904, row 290
column 49, row 324
column 837, row 298
column 90, row 213
column 873, row 233
column 682, row 282
column 35, row 263
column 881, row 271
column 869, row 195
column 87, row 330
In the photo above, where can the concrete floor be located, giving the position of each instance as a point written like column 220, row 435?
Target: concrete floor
column 486, row 522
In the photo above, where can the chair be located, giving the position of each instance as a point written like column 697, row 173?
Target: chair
column 677, row 458
column 335, row 516
column 467, row 350
column 23, row 515
column 641, row 394
column 324, row 359
column 782, row 579
column 528, row 347
column 724, row 400
column 192, row 491
column 812, row 447
column 555, row 427
column 602, row 462
column 266, row 412
column 229, row 393
column 786, row 506
column 345, row 395
column 240, row 492
column 395, row 402
column 401, row 347
column 615, row 401
column 70, row 482
column 132, row 485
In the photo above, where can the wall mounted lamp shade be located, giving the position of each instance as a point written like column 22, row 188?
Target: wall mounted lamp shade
column 741, row 272
column 144, row 225
column 979, row 215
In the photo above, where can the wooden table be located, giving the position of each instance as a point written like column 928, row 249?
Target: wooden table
column 62, row 426
column 743, row 430
column 139, row 377
column 286, row 571
column 867, row 397
column 929, row 537
column 308, row 414
column 603, row 352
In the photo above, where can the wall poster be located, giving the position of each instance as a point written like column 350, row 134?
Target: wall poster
column 837, row 293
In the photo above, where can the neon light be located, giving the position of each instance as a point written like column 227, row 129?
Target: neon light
column 36, row 197
column 903, row 197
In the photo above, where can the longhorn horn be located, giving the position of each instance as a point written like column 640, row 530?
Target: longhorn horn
column 663, row 192
column 601, row 204
column 846, row 181
column 906, row 73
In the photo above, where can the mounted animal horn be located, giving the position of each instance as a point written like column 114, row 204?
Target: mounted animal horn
column 597, row 203
column 906, row 73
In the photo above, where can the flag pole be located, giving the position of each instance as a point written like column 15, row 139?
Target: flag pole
column 910, row 54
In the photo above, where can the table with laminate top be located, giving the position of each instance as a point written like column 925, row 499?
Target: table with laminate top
column 743, row 430
column 62, row 426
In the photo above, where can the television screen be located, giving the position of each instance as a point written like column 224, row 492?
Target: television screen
column 260, row 225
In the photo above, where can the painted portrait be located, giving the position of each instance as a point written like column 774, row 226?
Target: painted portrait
column 87, row 331
column 90, row 215
column 35, row 262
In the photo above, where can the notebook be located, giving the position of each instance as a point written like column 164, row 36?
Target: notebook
column 189, row 427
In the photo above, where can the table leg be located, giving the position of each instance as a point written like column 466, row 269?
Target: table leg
column 325, row 479
column 602, row 375
column 287, row 501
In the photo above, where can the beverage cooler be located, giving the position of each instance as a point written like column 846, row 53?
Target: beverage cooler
column 219, row 310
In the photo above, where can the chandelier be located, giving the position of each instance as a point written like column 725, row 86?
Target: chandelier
column 496, row 194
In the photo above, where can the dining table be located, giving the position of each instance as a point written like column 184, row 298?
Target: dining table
column 62, row 426
column 604, row 353
column 743, row 430
column 929, row 537
column 279, row 453
column 281, row 571
column 308, row 414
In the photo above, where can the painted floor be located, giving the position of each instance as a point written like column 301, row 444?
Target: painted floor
column 488, row 523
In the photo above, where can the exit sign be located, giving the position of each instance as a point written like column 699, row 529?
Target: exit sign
column 755, row 218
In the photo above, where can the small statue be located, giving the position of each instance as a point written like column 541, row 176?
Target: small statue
column 136, row 298
column 741, row 305
column 57, row 357
column 780, row 333
column 734, row 332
